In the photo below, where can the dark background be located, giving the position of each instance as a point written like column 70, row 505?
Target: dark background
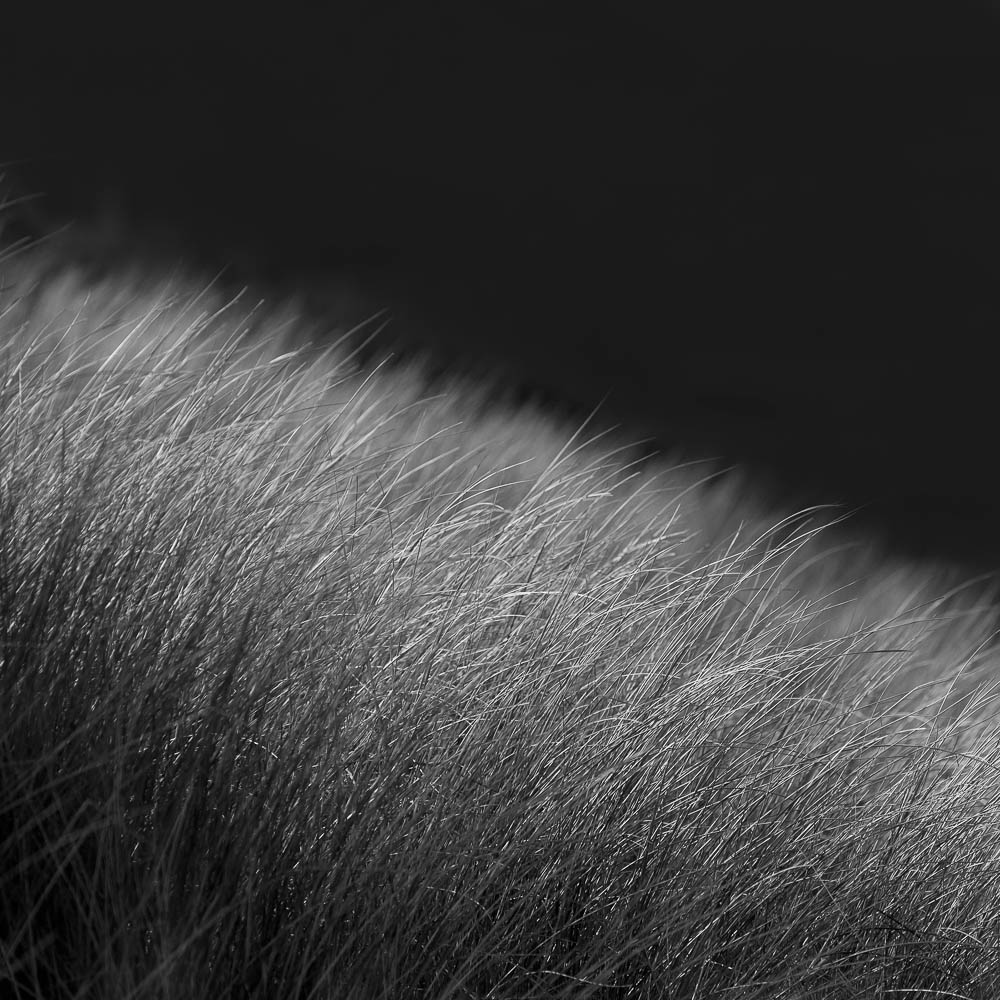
column 765, row 232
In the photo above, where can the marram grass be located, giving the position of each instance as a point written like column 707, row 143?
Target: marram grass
column 315, row 685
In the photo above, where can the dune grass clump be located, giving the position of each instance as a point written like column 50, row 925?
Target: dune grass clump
column 312, row 685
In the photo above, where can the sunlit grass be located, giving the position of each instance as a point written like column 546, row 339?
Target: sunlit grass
column 314, row 685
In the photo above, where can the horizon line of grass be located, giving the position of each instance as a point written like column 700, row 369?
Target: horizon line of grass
column 314, row 685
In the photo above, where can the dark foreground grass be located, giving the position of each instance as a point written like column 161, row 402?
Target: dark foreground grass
column 313, row 687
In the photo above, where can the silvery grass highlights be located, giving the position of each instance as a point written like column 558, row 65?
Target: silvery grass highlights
column 312, row 689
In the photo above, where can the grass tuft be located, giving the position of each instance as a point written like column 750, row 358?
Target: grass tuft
column 315, row 685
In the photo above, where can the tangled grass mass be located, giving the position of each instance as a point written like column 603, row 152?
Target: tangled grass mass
column 315, row 683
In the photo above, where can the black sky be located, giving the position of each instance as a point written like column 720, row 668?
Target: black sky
column 768, row 230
